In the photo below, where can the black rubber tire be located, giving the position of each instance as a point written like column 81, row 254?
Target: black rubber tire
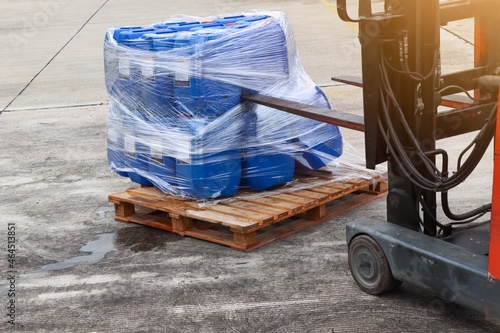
column 369, row 266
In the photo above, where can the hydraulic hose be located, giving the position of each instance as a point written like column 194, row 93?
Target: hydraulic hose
column 460, row 217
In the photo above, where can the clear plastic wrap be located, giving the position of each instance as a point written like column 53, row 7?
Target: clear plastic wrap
column 176, row 120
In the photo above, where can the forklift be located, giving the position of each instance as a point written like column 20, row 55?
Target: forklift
column 408, row 105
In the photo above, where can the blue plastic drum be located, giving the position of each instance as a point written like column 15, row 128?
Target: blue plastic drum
column 118, row 87
column 132, row 94
column 206, row 169
column 268, row 63
column 321, row 146
column 158, row 80
column 264, row 165
column 195, row 94
column 161, row 157
column 133, row 64
column 136, row 149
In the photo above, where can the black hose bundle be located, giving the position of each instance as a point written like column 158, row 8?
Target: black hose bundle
column 431, row 179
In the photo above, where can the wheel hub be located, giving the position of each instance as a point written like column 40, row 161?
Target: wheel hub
column 366, row 266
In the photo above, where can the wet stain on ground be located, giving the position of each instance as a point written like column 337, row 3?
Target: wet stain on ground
column 136, row 239
column 142, row 238
column 97, row 249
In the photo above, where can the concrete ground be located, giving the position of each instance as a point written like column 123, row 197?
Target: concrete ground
column 76, row 270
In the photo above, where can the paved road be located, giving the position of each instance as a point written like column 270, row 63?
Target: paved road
column 79, row 271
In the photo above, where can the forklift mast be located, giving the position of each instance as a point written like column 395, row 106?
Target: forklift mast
column 403, row 87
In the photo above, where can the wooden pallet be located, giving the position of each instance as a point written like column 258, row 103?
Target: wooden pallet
column 245, row 224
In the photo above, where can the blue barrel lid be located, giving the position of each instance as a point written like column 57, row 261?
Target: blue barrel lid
column 168, row 24
column 184, row 26
column 239, row 25
column 128, row 35
column 133, row 38
column 162, row 41
column 254, row 18
column 165, row 30
column 229, row 19
column 160, row 34
column 207, row 25
column 117, row 31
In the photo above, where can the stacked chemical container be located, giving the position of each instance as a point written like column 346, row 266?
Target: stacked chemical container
column 175, row 119
column 127, row 150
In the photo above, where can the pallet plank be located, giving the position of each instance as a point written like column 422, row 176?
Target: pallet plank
column 326, row 192
column 276, row 203
column 221, row 218
column 213, row 236
column 154, row 195
column 359, row 182
column 311, row 194
column 288, row 229
column 300, row 201
column 341, row 186
column 258, row 217
column 154, row 222
column 258, row 208
column 153, row 203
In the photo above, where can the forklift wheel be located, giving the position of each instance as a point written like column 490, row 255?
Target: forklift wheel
column 369, row 266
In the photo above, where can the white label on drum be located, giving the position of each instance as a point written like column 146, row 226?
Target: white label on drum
column 124, row 68
column 182, row 73
column 112, row 136
column 157, row 153
column 148, row 67
column 129, row 144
